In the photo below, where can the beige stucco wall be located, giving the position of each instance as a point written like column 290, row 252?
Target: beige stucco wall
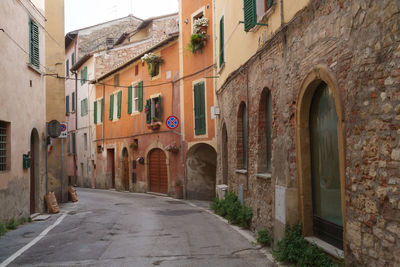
column 21, row 104
column 55, row 92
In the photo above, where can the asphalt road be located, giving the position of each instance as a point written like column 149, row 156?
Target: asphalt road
column 108, row 228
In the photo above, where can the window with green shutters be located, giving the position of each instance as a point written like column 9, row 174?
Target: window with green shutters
column 140, row 96
column 111, row 115
column 102, row 110
column 34, row 56
column 67, row 68
column 119, row 104
column 83, row 75
column 95, row 112
column 67, row 104
column 148, row 111
column 130, row 100
column 135, row 98
column 221, row 42
column 199, row 109
column 250, row 14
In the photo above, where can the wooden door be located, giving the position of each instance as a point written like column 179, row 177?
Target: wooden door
column 158, row 176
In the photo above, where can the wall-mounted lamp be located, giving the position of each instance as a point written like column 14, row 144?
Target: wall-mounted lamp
column 186, row 21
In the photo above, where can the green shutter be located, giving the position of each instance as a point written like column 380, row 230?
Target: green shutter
column 221, row 42
column 102, row 110
column 250, row 14
column 67, row 68
column 81, row 77
column 119, row 104
column 140, row 96
column 199, row 109
column 111, row 107
column 270, row 3
column 130, row 100
column 72, row 59
column 95, row 112
column 148, row 114
column 34, row 44
column 67, row 104
column 82, row 108
column 159, row 108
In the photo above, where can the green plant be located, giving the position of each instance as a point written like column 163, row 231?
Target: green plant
column 293, row 248
column 197, row 42
column 23, row 220
column 264, row 238
column 134, row 145
column 12, row 224
column 154, row 119
column 30, row 219
column 3, row 229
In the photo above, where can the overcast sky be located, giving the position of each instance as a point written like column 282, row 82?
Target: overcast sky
column 83, row 13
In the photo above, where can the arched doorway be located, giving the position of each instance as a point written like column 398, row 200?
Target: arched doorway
column 201, row 172
column 225, row 155
column 34, row 153
column 158, row 173
column 321, row 157
column 125, row 177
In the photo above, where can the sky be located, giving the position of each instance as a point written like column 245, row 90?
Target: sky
column 83, row 13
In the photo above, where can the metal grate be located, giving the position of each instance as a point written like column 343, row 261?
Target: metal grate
column 3, row 148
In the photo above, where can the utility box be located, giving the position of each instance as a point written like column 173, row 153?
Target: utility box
column 26, row 161
column 221, row 190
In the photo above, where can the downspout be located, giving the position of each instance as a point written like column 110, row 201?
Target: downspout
column 102, row 115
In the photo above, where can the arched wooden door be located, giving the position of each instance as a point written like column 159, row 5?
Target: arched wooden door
column 158, row 175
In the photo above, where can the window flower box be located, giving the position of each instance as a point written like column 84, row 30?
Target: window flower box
column 172, row 148
column 153, row 63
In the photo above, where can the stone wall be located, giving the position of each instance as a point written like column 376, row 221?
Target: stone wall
column 358, row 42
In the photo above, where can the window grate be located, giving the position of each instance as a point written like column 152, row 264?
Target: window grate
column 3, row 148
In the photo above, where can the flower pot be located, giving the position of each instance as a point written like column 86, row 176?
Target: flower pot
column 178, row 191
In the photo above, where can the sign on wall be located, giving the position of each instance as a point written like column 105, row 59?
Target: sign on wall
column 172, row 122
column 64, row 130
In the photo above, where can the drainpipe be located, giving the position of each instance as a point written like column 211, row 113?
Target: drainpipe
column 104, row 120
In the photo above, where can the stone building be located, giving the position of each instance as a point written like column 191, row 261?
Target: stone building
column 309, row 124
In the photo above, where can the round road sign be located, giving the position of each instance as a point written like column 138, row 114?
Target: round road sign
column 172, row 122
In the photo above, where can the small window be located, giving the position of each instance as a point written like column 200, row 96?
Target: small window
column 4, row 146
column 67, row 68
column 254, row 11
column 196, row 17
column 116, row 80
column 84, row 75
column 85, row 144
column 73, row 102
column 34, row 55
column 136, row 70
column 153, row 109
column 84, row 107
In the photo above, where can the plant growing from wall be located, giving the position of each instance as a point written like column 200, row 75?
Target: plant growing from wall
column 153, row 63
column 197, row 42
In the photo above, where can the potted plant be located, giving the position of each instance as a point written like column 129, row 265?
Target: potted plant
column 153, row 62
column 178, row 189
column 200, row 25
column 197, row 42
column 172, row 148
column 134, row 145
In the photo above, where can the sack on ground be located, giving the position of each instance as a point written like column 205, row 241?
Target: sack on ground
column 72, row 194
column 51, row 202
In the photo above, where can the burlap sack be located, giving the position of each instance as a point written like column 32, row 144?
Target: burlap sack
column 51, row 202
column 72, row 194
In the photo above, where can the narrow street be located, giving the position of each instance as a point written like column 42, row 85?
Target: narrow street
column 108, row 228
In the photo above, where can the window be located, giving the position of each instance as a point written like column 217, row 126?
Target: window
column 199, row 15
column 115, row 105
column 83, row 75
column 73, row 102
column 84, row 107
column 67, row 68
column 4, row 146
column 73, row 143
column 98, row 116
column 199, row 109
column 85, row 141
column 135, row 98
column 153, row 109
column 254, row 11
column 221, row 42
column 242, row 137
column 72, row 59
column 67, row 104
column 34, row 56
column 116, row 80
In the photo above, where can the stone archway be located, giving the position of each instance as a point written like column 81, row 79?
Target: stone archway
column 34, row 171
column 201, row 161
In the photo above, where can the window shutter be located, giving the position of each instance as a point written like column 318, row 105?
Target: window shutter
column 270, row 3
column 130, row 100
column 221, row 42
column 199, row 109
column 67, row 104
column 140, row 96
column 73, row 101
column 119, row 104
column 67, row 68
column 148, row 114
column 81, row 77
column 102, row 110
column 159, row 108
column 250, row 14
column 111, row 107
column 72, row 59
column 85, row 72
column 82, row 106
column 95, row 112
column 34, row 44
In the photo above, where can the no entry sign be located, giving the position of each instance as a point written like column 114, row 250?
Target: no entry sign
column 172, row 122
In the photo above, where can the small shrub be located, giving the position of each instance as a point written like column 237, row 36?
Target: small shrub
column 23, row 220
column 3, row 229
column 244, row 216
column 293, row 248
column 12, row 224
column 264, row 238
column 30, row 219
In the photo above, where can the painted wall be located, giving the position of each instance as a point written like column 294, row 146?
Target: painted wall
column 121, row 132
column 22, row 105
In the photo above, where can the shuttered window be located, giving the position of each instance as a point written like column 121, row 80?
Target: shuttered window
column 130, row 100
column 111, row 107
column 140, row 96
column 95, row 112
column 83, row 75
column 67, row 68
column 199, row 109
column 67, row 104
column 34, row 56
column 73, row 143
column 159, row 109
column 221, row 42
column 119, row 104
column 102, row 110
column 73, row 102
column 148, row 108
column 250, row 14
column 72, row 59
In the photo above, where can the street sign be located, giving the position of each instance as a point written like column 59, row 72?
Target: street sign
column 64, row 130
column 172, row 122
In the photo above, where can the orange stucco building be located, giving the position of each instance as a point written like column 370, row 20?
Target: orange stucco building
column 135, row 149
